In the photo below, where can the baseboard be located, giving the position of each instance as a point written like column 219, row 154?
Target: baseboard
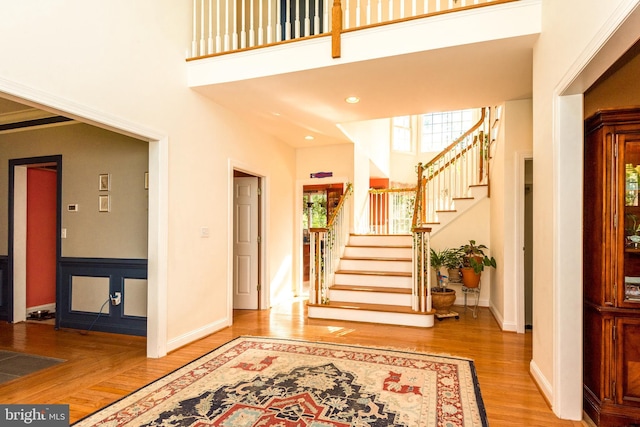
column 51, row 307
column 505, row 326
column 196, row 334
column 541, row 382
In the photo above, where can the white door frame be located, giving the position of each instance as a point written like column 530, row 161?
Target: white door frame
column 521, row 158
column 263, row 220
column 158, row 195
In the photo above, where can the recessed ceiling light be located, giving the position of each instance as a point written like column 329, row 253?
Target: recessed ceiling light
column 352, row 100
column 309, row 138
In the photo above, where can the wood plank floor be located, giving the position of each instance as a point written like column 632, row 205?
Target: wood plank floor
column 101, row 368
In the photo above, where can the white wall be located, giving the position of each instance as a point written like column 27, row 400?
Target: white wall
column 130, row 64
column 514, row 140
column 373, row 137
column 562, row 54
column 471, row 225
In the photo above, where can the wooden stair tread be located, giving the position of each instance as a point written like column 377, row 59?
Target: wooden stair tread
column 375, row 235
column 384, row 289
column 384, row 308
column 374, row 258
column 462, row 198
column 374, row 273
column 378, row 246
column 446, row 210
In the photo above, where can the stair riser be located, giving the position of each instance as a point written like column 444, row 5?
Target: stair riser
column 370, row 297
column 380, row 240
column 377, row 252
column 423, row 321
column 375, row 265
column 373, row 280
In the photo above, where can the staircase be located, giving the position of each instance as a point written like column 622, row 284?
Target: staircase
column 372, row 280
column 459, row 205
column 373, row 283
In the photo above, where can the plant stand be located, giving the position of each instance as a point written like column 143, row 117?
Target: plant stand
column 476, row 292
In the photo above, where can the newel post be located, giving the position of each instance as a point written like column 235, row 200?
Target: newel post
column 336, row 29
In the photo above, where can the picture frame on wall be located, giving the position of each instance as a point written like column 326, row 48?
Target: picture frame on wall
column 104, row 203
column 104, row 183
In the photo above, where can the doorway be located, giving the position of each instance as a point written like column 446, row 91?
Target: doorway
column 528, row 244
column 34, row 247
column 247, row 236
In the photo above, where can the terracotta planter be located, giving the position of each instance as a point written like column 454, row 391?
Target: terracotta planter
column 442, row 299
column 470, row 278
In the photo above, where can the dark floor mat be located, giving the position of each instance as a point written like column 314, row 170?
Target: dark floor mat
column 14, row 365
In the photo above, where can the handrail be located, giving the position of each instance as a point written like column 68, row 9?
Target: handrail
column 326, row 247
column 347, row 192
column 454, row 171
column 417, row 205
column 459, row 139
column 215, row 22
column 390, row 210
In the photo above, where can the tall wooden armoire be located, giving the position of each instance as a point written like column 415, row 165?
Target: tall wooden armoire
column 611, row 267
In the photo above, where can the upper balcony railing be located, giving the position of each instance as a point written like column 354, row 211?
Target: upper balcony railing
column 221, row 26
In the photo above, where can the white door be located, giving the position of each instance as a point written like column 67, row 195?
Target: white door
column 245, row 243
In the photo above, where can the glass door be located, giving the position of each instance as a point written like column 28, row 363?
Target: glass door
column 629, row 295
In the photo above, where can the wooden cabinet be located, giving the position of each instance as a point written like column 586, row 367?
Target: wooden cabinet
column 611, row 267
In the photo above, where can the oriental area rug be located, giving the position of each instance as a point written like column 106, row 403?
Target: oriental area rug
column 267, row 382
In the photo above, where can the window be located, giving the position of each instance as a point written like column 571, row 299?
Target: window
column 439, row 130
column 401, row 134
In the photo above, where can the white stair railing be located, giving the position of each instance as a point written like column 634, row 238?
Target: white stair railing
column 451, row 174
column 421, row 258
column 326, row 248
column 391, row 210
column 280, row 20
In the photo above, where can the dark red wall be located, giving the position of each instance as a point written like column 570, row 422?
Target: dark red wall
column 41, row 237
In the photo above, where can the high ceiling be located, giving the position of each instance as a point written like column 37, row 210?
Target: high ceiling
column 293, row 105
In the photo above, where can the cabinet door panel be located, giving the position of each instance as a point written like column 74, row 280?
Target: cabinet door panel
column 628, row 361
column 629, row 281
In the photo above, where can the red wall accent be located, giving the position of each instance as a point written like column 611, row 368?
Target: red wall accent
column 378, row 183
column 41, row 237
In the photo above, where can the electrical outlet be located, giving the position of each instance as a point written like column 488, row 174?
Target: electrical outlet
column 116, row 298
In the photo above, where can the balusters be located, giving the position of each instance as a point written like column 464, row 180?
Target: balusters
column 297, row 21
column 243, row 29
column 220, row 33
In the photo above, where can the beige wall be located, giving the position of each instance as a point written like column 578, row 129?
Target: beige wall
column 564, row 48
column 86, row 152
column 135, row 78
column 618, row 89
column 514, row 142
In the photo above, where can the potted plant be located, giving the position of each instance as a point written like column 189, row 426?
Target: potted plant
column 453, row 260
column 474, row 261
column 442, row 298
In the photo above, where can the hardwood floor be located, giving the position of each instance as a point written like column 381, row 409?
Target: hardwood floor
column 101, row 368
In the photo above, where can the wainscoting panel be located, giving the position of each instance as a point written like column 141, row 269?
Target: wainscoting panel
column 85, row 287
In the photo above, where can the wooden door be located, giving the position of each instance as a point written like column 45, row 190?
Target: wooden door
column 245, row 243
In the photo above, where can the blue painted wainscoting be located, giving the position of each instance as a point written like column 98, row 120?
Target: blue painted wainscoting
column 93, row 277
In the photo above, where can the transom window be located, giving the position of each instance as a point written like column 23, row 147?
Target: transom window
column 438, row 130
column 432, row 132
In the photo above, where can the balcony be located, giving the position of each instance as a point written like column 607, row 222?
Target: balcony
column 461, row 56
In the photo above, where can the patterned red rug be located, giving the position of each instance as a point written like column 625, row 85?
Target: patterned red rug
column 267, row 382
